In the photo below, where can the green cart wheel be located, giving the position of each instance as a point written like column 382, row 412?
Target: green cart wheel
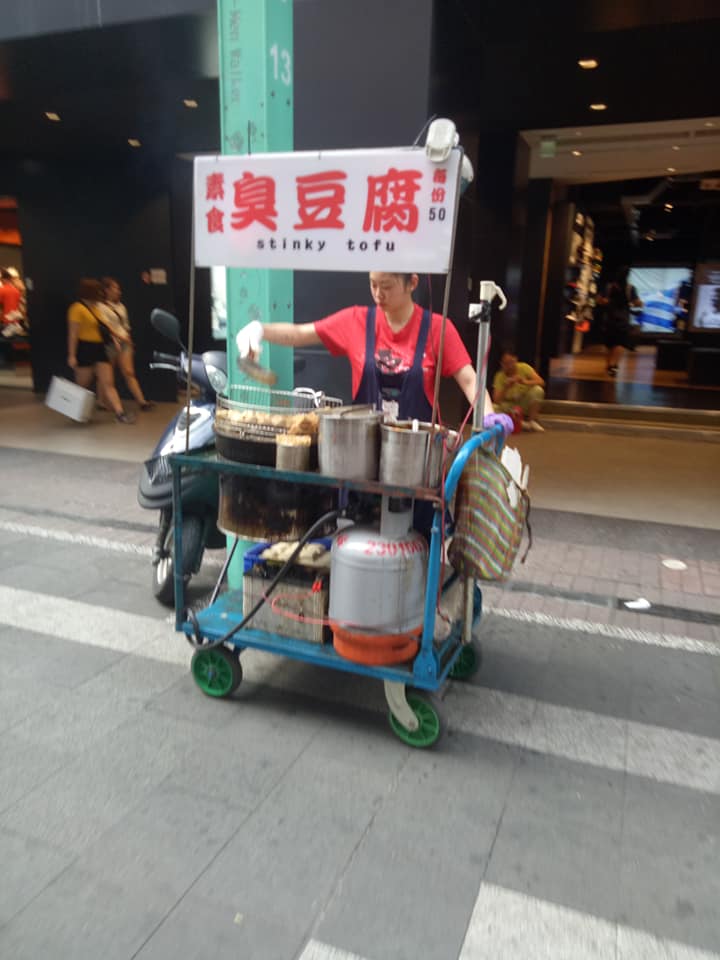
column 217, row 672
column 431, row 720
column 467, row 663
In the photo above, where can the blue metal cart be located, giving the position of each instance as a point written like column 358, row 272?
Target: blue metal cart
column 415, row 716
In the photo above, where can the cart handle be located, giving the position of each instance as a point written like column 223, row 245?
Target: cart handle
column 494, row 434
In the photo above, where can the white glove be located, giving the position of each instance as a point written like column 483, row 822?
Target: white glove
column 250, row 339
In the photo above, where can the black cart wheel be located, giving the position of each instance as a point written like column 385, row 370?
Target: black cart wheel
column 217, row 671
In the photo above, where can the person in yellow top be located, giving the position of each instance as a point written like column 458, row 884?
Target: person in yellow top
column 518, row 385
column 86, row 346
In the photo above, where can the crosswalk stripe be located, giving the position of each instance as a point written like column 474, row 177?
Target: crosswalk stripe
column 80, row 539
column 506, row 925
column 615, row 743
column 90, row 624
column 87, row 540
column 315, row 950
column 649, row 638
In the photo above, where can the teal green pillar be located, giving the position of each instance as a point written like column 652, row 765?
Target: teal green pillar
column 256, row 116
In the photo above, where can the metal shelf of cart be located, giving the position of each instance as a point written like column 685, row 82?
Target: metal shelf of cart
column 432, row 664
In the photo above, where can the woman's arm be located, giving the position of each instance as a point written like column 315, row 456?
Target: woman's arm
column 117, row 330
column 533, row 380
column 72, row 344
column 291, row 334
column 467, row 381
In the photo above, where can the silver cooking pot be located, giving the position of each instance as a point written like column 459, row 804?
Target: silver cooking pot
column 414, row 458
column 349, row 443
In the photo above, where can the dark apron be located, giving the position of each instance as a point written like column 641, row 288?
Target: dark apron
column 406, row 389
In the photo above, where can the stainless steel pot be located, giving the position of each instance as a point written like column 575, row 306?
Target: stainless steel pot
column 349, row 443
column 414, row 457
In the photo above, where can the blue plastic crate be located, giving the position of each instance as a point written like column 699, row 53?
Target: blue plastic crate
column 252, row 556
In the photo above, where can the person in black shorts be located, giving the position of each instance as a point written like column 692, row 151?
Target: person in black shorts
column 619, row 297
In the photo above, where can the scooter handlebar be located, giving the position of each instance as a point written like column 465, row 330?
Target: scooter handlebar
column 165, row 358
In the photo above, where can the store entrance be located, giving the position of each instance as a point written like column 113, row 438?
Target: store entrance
column 15, row 367
column 631, row 314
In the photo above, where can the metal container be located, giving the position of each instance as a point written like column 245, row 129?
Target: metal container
column 292, row 453
column 247, row 426
column 377, row 583
column 349, row 443
column 414, row 457
column 258, row 509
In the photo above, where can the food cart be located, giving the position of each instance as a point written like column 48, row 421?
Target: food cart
column 394, row 639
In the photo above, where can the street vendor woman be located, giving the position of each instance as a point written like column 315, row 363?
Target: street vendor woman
column 393, row 348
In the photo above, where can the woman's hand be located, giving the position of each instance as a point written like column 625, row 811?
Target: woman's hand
column 72, row 362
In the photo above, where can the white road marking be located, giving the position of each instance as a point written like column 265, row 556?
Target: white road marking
column 90, row 624
column 661, row 754
column 81, row 539
column 506, row 925
column 668, row 641
column 613, row 743
column 315, row 950
column 649, row 638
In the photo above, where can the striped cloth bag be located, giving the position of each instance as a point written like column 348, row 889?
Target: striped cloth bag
column 488, row 528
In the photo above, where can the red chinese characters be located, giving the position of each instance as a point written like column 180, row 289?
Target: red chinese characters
column 391, row 201
column 215, row 186
column 254, row 202
column 215, row 218
column 320, row 200
column 386, row 200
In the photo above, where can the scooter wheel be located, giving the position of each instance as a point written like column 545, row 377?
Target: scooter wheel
column 164, row 570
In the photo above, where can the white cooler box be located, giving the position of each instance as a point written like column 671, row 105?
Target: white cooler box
column 69, row 399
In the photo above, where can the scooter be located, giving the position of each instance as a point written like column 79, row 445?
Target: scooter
column 208, row 375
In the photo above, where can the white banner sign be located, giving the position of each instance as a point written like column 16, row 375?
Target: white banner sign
column 389, row 210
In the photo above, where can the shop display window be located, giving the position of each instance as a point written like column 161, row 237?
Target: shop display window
column 665, row 291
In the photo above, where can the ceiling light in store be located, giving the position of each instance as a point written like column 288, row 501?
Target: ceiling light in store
column 675, row 147
column 133, row 142
column 668, row 207
column 672, row 169
column 589, row 64
column 577, row 153
column 55, row 117
column 191, row 104
column 709, row 123
column 598, row 106
column 578, row 133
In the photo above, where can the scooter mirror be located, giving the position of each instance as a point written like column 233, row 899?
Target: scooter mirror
column 166, row 324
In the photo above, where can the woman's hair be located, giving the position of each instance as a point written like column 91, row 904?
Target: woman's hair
column 90, row 289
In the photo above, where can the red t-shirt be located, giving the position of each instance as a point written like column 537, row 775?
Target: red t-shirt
column 9, row 299
column 343, row 334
